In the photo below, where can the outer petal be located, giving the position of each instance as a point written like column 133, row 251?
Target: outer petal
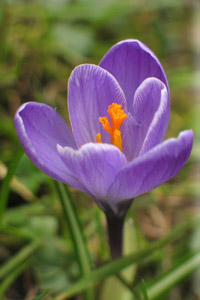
column 95, row 166
column 150, row 170
column 131, row 62
column 91, row 90
column 147, row 126
column 39, row 129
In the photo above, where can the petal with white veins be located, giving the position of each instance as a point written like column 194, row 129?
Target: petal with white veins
column 131, row 62
column 39, row 129
column 91, row 90
column 94, row 166
column 152, row 169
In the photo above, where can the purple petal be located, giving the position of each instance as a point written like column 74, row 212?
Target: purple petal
column 152, row 101
column 91, row 90
column 131, row 62
column 39, row 129
column 94, row 165
column 150, row 170
column 147, row 127
column 129, row 137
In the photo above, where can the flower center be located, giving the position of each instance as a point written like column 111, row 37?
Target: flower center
column 117, row 116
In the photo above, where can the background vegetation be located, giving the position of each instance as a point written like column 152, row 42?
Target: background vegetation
column 41, row 41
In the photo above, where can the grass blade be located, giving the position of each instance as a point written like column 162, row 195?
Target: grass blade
column 174, row 276
column 6, row 182
column 18, row 259
column 11, row 277
column 75, row 229
column 42, row 295
column 118, row 265
column 144, row 290
column 130, row 287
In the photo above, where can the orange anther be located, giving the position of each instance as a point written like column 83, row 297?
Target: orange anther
column 117, row 116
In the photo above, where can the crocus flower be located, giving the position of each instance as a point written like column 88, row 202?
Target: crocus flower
column 119, row 112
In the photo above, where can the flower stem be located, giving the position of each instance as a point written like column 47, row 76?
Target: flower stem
column 115, row 234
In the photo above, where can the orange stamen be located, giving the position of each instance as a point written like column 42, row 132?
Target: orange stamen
column 117, row 140
column 105, row 124
column 98, row 138
column 117, row 116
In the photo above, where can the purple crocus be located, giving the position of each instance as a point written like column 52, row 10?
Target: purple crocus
column 119, row 114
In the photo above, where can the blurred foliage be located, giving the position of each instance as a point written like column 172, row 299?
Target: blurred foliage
column 41, row 41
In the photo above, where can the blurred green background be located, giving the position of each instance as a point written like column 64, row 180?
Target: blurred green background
column 41, row 41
